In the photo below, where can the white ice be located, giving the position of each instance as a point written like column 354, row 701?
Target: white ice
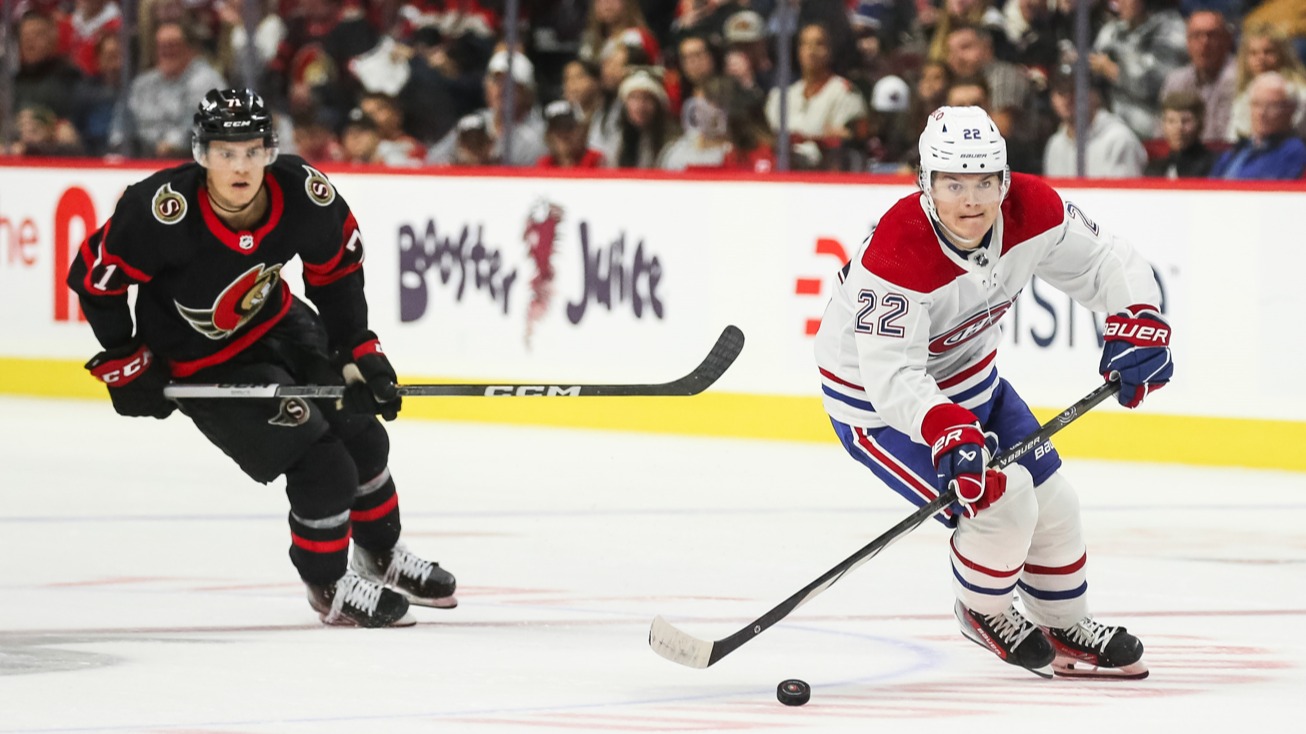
column 145, row 587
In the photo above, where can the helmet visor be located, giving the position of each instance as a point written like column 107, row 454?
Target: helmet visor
column 966, row 188
column 218, row 156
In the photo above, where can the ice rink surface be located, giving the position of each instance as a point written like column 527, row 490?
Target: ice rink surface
column 145, row 587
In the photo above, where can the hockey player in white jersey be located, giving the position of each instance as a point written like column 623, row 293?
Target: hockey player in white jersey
column 906, row 353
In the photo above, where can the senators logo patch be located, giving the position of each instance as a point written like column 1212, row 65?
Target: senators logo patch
column 318, row 188
column 236, row 305
column 293, row 412
column 168, row 206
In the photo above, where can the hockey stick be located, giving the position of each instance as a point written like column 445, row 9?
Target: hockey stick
column 681, row 647
column 723, row 354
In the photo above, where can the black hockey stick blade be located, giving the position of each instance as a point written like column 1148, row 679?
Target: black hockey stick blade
column 723, row 354
column 681, row 647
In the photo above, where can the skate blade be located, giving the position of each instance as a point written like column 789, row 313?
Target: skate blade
column 408, row 620
column 1072, row 668
column 1046, row 672
column 443, row 602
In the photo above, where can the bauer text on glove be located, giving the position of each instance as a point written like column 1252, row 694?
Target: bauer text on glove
column 1136, row 351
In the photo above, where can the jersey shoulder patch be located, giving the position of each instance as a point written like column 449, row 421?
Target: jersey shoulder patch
column 905, row 250
column 295, row 174
column 1031, row 208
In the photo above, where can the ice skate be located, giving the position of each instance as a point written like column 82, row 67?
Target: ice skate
column 1010, row 636
column 357, row 602
column 421, row 582
column 1090, row 649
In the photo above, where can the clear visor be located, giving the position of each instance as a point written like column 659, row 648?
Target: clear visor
column 966, row 188
column 231, row 157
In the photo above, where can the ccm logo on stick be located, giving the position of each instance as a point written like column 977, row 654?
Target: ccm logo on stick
column 542, row 390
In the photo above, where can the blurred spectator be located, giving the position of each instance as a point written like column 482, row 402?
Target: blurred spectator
column 162, row 100
column 452, row 18
column 748, row 58
column 932, row 84
column 150, row 14
column 92, row 19
column 1264, row 48
column 397, row 147
column 527, row 144
column 473, row 145
column 870, row 64
column 645, row 125
column 233, row 40
column 824, row 109
column 705, row 139
column 1212, row 75
column 1031, row 35
column 1289, row 16
column 554, row 40
column 1272, row 151
column 615, row 63
column 315, row 140
column 100, row 99
column 891, row 134
column 723, row 130
column 1182, row 120
column 360, row 140
column 41, row 134
column 616, row 21
column 890, row 21
column 44, row 79
column 972, row 13
column 446, row 81
column 1112, row 150
column 968, row 92
column 319, row 43
column 581, row 87
column 567, row 139
column 970, row 53
column 1135, row 53
column 697, row 64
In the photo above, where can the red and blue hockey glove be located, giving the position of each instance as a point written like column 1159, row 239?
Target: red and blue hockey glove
column 135, row 380
column 958, row 448
column 1137, row 352
column 370, row 382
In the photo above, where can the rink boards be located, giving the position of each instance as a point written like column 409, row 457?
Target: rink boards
column 520, row 278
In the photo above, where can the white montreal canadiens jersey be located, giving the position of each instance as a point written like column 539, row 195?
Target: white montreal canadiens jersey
column 912, row 323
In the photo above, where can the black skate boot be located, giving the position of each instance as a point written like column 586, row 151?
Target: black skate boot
column 1009, row 636
column 1090, row 649
column 422, row 582
column 357, row 602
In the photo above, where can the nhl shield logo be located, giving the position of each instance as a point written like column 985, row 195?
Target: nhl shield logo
column 246, row 241
column 291, row 413
column 168, row 206
column 319, row 189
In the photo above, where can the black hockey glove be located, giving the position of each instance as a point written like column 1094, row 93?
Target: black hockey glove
column 135, row 380
column 370, row 381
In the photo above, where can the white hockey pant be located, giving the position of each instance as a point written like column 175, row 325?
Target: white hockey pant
column 1030, row 539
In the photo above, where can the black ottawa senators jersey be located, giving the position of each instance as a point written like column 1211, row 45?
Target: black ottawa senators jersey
column 206, row 292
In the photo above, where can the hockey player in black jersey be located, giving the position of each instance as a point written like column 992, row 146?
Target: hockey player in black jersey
column 203, row 244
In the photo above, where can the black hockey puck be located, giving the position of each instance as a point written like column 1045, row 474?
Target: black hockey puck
column 793, row 692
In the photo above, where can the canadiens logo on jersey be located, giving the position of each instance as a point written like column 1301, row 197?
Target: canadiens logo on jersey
column 318, row 188
column 169, row 207
column 968, row 329
column 236, row 305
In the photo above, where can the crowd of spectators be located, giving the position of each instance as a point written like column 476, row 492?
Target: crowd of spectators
column 1177, row 88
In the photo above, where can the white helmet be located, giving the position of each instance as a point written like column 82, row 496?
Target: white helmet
column 961, row 140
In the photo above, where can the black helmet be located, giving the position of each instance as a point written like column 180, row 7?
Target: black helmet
column 232, row 114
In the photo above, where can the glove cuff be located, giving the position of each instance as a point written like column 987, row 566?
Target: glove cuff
column 1146, row 329
column 366, row 344
column 944, row 416
column 119, row 366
